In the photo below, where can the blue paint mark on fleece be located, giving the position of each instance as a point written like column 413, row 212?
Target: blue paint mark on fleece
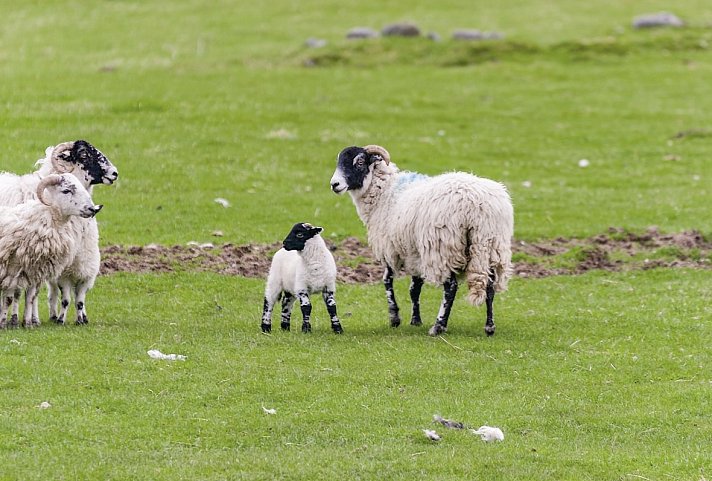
column 406, row 179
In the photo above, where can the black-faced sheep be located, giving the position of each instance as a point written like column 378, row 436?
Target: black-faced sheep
column 303, row 266
column 433, row 228
column 37, row 242
column 91, row 167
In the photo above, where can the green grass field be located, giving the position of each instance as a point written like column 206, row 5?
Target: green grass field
column 600, row 376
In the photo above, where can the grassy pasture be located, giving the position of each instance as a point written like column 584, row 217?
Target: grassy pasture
column 601, row 376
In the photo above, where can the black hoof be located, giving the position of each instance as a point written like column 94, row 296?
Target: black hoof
column 337, row 328
column 489, row 330
column 36, row 322
column 395, row 322
column 437, row 329
column 13, row 321
column 266, row 328
column 284, row 326
column 56, row 320
column 416, row 322
column 306, row 327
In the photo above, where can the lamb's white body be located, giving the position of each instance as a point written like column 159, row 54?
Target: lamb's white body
column 37, row 242
column 295, row 274
column 433, row 228
column 84, row 267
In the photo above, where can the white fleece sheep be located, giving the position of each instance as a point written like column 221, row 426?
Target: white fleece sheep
column 433, row 228
column 303, row 266
column 91, row 167
column 36, row 240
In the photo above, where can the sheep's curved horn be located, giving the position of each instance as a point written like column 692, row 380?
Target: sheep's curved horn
column 378, row 150
column 54, row 158
column 47, row 182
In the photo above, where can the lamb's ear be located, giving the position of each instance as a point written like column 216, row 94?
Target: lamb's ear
column 376, row 152
column 318, row 230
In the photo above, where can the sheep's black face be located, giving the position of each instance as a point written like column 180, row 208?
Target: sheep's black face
column 93, row 162
column 352, row 169
column 299, row 236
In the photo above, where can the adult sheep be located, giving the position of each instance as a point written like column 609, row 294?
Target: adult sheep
column 433, row 228
column 90, row 167
column 36, row 240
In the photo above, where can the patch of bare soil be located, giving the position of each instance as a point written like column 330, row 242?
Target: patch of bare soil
column 613, row 251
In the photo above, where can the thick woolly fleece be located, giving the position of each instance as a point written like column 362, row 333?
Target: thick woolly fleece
column 434, row 226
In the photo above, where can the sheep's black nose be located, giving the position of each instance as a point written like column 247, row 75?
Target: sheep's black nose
column 335, row 185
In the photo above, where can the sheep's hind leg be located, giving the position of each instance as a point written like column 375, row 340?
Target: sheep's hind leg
column 5, row 305
column 330, row 302
column 416, row 284
column 287, row 304
column 267, row 313
column 306, row 307
column 489, row 324
column 65, row 289
column 391, row 297
column 449, row 292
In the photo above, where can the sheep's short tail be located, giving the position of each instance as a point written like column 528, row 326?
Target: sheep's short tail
column 490, row 260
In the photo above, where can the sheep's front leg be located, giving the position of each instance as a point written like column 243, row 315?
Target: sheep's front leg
column 391, row 297
column 449, row 291
column 52, row 299
column 267, row 311
column 65, row 289
column 416, row 284
column 305, row 305
column 15, row 317
column 489, row 300
column 287, row 304
column 30, row 299
column 80, row 295
column 330, row 302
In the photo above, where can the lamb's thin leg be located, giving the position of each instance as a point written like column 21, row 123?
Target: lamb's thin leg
column 36, row 308
column 5, row 305
column 30, row 298
column 267, row 312
column 52, row 299
column 305, row 305
column 416, row 284
column 15, row 317
column 330, row 302
column 449, row 291
column 391, row 297
column 80, row 295
column 287, row 304
column 489, row 324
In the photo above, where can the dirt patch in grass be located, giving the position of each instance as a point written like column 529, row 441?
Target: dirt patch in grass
column 615, row 250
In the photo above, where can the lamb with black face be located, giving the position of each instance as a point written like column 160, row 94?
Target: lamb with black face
column 303, row 266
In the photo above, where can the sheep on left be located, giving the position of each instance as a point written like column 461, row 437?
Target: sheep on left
column 48, row 233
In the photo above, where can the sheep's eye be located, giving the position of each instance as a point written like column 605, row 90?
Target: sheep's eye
column 66, row 191
column 300, row 235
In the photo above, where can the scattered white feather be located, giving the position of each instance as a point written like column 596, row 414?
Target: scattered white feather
column 269, row 411
column 223, row 202
column 527, row 184
column 44, row 405
column 432, row 435
column 15, row 341
column 156, row 354
column 584, row 163
column 489, row 434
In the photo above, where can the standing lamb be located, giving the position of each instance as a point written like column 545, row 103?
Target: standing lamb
column 91, row 167
column 36, row 240
column 433, row 228
column 304, row 265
